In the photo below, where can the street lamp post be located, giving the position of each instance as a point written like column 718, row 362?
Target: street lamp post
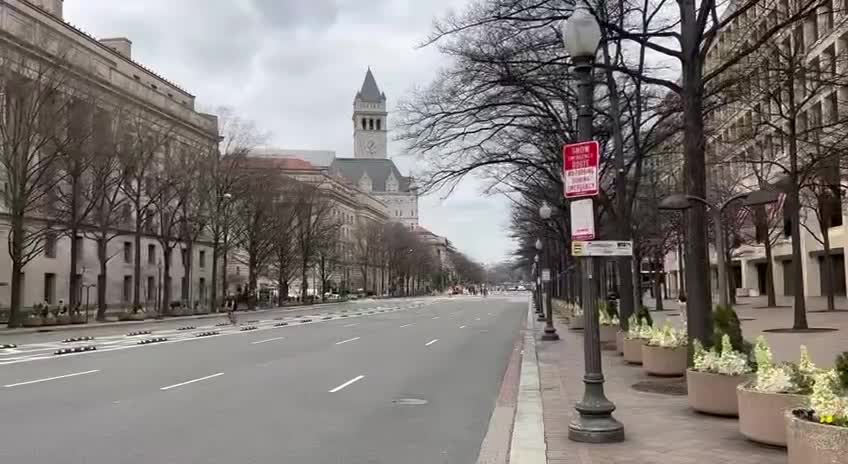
column 540, row 310
column 538, row 284
column 550, row 332
column 581, row 35
column 681, row 202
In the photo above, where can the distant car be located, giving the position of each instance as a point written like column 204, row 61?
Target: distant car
column 521, row 288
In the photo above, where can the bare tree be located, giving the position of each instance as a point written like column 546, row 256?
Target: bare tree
column 285, row 259
column 39, row 99
column 366, row 249
column 315, row 227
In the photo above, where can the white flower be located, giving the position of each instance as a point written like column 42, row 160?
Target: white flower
column 668, row 337
column 774, row 380
column 728, row 362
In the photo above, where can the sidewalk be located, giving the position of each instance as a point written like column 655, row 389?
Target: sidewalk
column 659, row 428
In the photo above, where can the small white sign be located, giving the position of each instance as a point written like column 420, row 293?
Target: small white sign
column 602, row 248
column 546, row 275
column 582, row 219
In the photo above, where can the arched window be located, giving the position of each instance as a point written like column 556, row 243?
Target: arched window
column 371, row 124
column 378, row 124
column 363, row 124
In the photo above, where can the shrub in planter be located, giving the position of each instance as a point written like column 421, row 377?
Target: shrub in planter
column 638, row 333
column 775, row 389
column 576, row 321
column 77, row 317
column 608, row 326
column 49, row 320
column 819, row 435
column 712, row 381
column 33, row 320
column 665, row 352
column 726, row 322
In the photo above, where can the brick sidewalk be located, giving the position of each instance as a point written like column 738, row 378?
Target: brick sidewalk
column 658, row 428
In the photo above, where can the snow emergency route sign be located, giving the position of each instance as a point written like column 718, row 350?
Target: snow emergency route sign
column 580, row 169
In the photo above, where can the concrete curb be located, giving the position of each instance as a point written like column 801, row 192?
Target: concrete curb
column 528, row 432
column 100, row 325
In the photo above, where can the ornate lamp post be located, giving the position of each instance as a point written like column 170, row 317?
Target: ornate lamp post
column 538, row 284
column 550, row 332
column 581, row 35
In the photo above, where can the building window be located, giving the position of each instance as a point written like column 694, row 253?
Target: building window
column 127, row 252
column 151, row 288
column 202, row 259
column 184, row 257
column 364, row 125
column 50, row 288
column 126, row 291
column 202, row 290
column 378, row 124
column 184, row 288
column 370, row 124
column 151, row 254
column 50, row 244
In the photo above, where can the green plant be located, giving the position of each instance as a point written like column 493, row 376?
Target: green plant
column 841, row 368
column 786, row 377
column 668, row 337
column 726, row 322
column 721, row 359
column 829, row 399
column 644, row 316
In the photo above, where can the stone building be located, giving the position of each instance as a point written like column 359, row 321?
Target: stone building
column 106, row 68
column 820, row 44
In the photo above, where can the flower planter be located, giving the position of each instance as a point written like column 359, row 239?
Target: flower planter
column 49, row 320
column 78, row 318
column 63, row 319
column 576, row 323
column 607, row 333
column 33, row 322
column 619, row 342
column 667, row 362
column 714, row 393
column 633, row 350
column 139, row 316
column 761, row 414
column 809, row 442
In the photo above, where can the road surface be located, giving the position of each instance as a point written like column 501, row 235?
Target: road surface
column 410, row 381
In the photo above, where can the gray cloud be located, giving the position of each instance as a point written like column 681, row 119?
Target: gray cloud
column 294, row 66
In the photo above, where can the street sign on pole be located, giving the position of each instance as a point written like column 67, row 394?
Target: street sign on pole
column 580, row 163
column 546, row 275
column 582, row 219
column 602, row 248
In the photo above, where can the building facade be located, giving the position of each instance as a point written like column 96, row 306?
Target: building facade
column 112, row 79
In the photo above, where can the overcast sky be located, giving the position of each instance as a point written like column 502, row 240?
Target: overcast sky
column 294, row 66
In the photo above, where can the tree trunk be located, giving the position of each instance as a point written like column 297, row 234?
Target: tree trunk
column 213, row 295
column 166, row 278
column 828, row 271
column 137, row 261
column 304, row 283
column 102, row 259
column 15, row 308
column 251, row 282
column 770, row 295
column 699, row 307
column 188, row 268
column 224, row 290
column 73, row 284
column 793, row 201
column 281, row 283
column 657, row 285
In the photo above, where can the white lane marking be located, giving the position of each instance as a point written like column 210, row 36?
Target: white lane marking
column 405, row 325
column 489, row 314
column 266, row 341
column 431, row 342
column 352, row 325
column 348, row 383
column 477, row 319
column 30, row 382
column 192, row 381
column 348, row 340
column 462, row 327
column 435, row 317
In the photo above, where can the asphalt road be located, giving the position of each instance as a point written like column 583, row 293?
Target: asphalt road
column 316, row 392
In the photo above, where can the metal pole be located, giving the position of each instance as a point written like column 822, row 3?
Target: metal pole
column 550, row 332
column 595, row 423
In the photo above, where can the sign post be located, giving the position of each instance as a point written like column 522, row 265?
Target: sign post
column 582, row 219
column 580, row 163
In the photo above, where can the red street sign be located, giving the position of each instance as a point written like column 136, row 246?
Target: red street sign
column 580, row 169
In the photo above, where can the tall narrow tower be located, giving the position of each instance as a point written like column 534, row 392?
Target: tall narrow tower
column 370, row 120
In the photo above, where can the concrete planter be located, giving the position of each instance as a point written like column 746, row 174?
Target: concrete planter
column 761, row 414
column 666, row 362
column 633, row 350
column 607, row 333
column 714, row 393
column 809, row 442
column 619, row 342
column 576, row 323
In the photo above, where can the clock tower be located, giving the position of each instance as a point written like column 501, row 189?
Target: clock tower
column 370, row 119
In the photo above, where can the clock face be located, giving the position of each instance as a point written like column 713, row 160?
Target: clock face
column 371, row 147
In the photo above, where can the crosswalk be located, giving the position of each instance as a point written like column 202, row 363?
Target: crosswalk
column 210, row 328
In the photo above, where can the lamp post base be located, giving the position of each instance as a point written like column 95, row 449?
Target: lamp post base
column 596, row 429
column 550, row 336
column 541, row 317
